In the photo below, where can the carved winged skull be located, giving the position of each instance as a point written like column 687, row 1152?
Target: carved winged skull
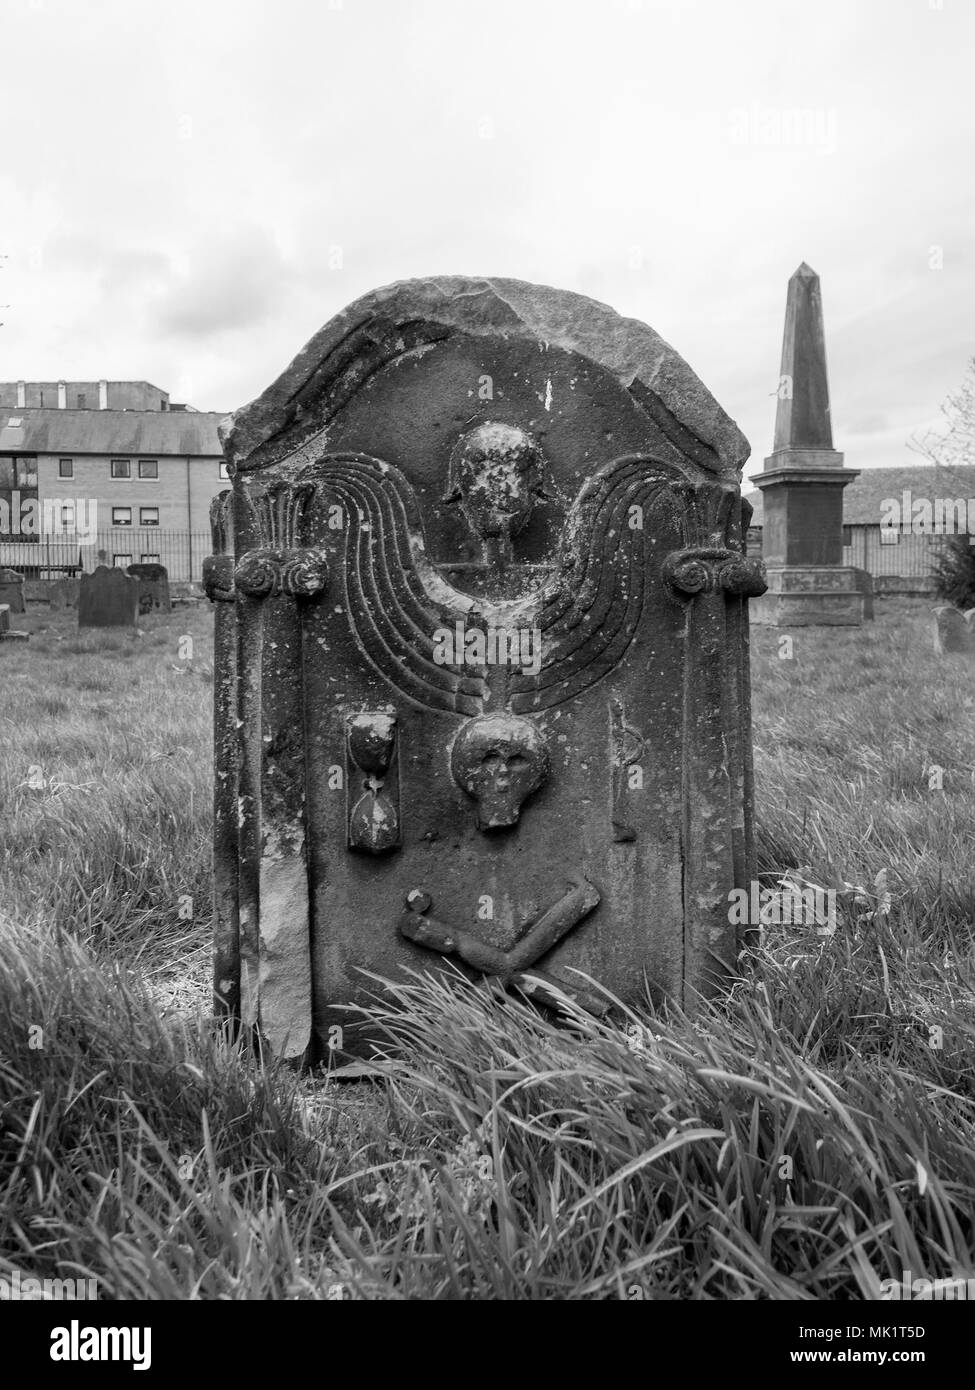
column 586, row 611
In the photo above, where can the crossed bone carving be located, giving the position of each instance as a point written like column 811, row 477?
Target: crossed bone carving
column 509, row 966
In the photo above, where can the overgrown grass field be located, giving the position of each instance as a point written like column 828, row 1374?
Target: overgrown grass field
column 809, row 1137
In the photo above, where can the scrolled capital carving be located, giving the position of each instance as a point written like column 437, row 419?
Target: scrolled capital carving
column 299, row 573
column 257, row 573
column 742, row 576
column 218, row 578
column 304, row 572
column 688, row 573
column 702, row 569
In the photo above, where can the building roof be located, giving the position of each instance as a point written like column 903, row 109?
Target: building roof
column 863, row 498
column 118, row 432
column 87, row 381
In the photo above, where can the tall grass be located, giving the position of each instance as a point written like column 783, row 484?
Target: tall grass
column 807, row 1137
column 105, row 782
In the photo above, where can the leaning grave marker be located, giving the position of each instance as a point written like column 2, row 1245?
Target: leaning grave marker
column 481, row 686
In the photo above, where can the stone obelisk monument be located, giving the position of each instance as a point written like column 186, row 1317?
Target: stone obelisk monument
column 803, row 482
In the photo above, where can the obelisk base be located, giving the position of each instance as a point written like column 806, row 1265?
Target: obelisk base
column 809, row 596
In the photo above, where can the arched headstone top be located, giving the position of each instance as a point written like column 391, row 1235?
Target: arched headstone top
column 412, row 318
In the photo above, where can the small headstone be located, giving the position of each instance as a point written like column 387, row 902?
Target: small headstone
column 7, row 634
column 954, row 631
column 12, row 590
column 63, row 593
column 863, row 582
column 153, row 587
column 108, row 598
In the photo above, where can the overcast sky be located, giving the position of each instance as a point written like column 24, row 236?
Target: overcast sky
column 188, row 190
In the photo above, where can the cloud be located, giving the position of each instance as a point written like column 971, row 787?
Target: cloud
column 192, row 209
column 874, row 422
column 229, row 283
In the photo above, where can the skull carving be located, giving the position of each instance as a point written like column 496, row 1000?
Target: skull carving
column 496, row 476
column 499, row 760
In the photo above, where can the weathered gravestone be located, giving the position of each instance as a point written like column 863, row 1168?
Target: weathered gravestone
column 12, row 590
column 954, row 630
column 153, row 586
column 63, row 593
column 108, row 598
column 481, row 662
column 7, row 633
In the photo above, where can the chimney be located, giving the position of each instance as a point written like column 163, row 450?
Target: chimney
column 103, row 395
column 62, row 394
column 22, row 393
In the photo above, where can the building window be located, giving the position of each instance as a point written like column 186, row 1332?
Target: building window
column 121, row 516
column 82, row 401
column 150, row 557
column 889, row 535
column 121, row 468
column 26, row 472
column 847, row 535
column 148, row 516
column 65, row 468
column 148, row 468
column 224, row 475
column 120, row 561
column 18, row 472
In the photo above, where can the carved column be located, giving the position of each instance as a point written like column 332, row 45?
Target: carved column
column 249, row 636
column 739, row 656
column 272, row 578
column 218, row 581
column 714, row 580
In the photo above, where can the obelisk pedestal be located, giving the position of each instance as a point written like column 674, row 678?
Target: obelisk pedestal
column 802, row 484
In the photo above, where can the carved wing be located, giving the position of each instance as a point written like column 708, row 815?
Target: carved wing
column 395, row 597
column 589, row 611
